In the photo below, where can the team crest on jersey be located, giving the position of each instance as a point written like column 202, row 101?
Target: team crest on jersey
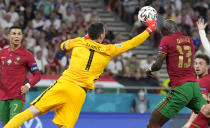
column 9, row 62
column 160, row 48
column 118, row 45
column 17, row 61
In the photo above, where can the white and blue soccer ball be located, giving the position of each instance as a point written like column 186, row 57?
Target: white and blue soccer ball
column 147, row 12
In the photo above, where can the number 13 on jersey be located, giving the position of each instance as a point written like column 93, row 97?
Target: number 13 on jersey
column 187, row 55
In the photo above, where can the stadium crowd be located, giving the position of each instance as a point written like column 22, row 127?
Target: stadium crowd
column 46, row 23
column 184, row 12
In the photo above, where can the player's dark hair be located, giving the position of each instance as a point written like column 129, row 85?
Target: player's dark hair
column 95, row 30
column 204, row 57
column 169, row 27
column 15, row 27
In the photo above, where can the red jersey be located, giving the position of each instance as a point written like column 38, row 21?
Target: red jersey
column 14, row 66
column 204, row 83
column 180, row 52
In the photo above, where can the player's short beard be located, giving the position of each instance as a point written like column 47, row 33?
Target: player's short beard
column 201, row 75
column 15, row 45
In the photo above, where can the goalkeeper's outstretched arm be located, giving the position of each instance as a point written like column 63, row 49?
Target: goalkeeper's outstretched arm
column 134, row 42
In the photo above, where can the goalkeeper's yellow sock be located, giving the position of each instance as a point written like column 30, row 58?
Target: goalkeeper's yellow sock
column 19, row 119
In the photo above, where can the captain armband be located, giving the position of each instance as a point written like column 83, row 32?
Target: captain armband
column 33, row 68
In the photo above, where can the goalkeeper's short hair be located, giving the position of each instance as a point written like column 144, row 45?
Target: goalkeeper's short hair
column 95, row 30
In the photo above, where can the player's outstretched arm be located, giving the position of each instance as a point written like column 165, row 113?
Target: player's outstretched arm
column 158, row 63
column 201, row 27
column 134, row 42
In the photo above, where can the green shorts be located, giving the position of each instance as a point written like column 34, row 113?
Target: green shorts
column 9, row 108
column 188, row 94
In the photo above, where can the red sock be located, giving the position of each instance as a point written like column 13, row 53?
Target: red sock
column 200, row 122
column 157, row 127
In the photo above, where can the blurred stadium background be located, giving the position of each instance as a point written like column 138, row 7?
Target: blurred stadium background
column 47, row 23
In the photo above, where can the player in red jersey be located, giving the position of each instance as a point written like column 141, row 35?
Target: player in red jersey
column 178, row 51
column 201, row 120
column 201, row 65
column 15, row 62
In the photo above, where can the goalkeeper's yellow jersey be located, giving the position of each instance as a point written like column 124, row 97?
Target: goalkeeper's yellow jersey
column 89, row 58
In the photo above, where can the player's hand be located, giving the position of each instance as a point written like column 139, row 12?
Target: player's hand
column 200, row 24
column 24, row 89
column 152, row 25
column 148, row 73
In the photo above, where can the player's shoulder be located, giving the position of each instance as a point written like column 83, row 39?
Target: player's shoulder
column 77, row 39
column 26, row 52
column 73, row 40
column 205, row 78
column 4, row 50
column 166, row 38
column 208, row 76
column 181, row 35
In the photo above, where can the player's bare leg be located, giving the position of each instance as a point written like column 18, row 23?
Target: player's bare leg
column 156, row 119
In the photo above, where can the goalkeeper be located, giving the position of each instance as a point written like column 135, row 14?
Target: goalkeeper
column 88, row 60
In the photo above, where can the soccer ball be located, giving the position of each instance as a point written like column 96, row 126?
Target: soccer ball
column 147, row 12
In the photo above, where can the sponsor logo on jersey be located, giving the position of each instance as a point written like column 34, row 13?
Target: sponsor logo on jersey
column 160, row 48
column 9, row 62
column 203, row 88
column 118, row 45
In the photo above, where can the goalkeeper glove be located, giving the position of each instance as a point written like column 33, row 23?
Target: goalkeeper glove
column 86, row 37
column 152, row 25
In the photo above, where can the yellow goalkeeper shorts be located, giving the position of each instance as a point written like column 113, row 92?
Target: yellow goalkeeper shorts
column 65, row 98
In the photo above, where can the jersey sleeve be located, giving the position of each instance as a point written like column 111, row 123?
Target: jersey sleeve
column 33, row 68
column 163, row 47
column 66, row 45
column 69, row 44
column 116, row 49
column 204, row 41
column 31, row 63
